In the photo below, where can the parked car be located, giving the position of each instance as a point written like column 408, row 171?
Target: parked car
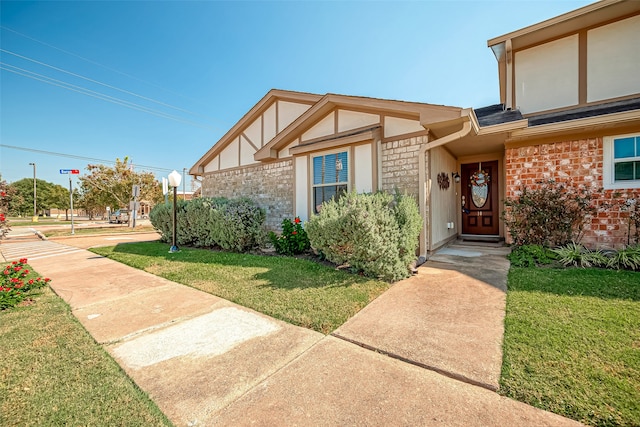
column 120, row 216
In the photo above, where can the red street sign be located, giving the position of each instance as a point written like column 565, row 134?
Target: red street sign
column 75, row 171
column 72, row 171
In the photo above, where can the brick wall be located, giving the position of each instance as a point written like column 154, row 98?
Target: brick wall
column 400, row 164
column 578, row 162
column 270, row 185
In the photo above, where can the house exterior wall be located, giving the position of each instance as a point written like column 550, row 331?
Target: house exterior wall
column 400, row 171
column 612, row 60
column 269, row 185
column 400, row 164
column 442, row 161
column 547, row 76
column 579, row 161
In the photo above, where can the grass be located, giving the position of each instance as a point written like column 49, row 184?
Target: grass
column 54, row 373
column 298, row 291
column 572, row 343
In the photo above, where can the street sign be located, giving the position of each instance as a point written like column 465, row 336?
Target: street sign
column 70, row 171
column 136, row 191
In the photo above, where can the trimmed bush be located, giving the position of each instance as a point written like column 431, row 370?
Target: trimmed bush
column 376, row 234
column 235, row 225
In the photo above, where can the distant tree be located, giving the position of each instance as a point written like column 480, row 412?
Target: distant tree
column 112, row 186
column 22, row 202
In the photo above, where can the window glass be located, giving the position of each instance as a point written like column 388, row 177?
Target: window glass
column 624, row 147
column 330, row 177
column 624, row 171
column 317, row 170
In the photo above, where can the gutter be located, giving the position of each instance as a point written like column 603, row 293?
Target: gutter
column 423, row 196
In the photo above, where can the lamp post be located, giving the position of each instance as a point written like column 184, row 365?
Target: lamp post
column 174, row 181
column 35, row 212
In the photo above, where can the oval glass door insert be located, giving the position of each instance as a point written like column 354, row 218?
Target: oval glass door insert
column 479, row 188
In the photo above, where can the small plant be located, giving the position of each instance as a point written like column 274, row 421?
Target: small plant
column 15, row 283
column 531, row 256
column 293, row 240
column 627, row 259
column 576, row 255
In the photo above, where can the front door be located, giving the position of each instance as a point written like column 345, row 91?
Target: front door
column 480, row 198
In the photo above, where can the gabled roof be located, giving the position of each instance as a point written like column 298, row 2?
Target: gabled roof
column 266, row 101
column 591, row 15
column 320, row 106
column 426, row 113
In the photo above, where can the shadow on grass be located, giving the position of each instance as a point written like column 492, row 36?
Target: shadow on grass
column 592, row 282
column 278, row 272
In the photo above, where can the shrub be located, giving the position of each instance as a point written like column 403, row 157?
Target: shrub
column 531, row 256
column 293, row 240
column 235, row 225
column 15, row 283
column 375, row 234
column 551, row 215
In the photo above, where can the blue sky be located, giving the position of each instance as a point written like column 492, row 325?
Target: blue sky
column 197, row 67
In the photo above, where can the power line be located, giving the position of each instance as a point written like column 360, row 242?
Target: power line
column 99, row 83
column 97, row 63
column 73, row 156
column 94, row 94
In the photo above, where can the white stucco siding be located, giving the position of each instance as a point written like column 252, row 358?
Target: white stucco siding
column 396, row 126
column 324, row 127
column 254, row 132
column 288, row 112
column 363, row 168
column 546, row 76
column 246, row 152
column 352, row 120
column 269, row 123
column 213, row 165
column 613, row 60
column 229, row 157
column 285, row 151
column 301, row 188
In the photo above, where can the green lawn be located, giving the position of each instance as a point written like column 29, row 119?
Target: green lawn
column 53, row 373
column 572, row 343
column 298, row 291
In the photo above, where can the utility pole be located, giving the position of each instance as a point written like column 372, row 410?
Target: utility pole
column 184, row 182
column 35, row 211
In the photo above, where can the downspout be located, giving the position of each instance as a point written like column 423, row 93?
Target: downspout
column 422, row 178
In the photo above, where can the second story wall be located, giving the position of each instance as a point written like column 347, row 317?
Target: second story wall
column 594, row 65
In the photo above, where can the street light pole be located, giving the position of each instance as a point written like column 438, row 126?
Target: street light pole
column 35, row 211
column 174, row 181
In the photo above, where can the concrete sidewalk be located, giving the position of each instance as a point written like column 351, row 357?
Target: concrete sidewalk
column 206, row 361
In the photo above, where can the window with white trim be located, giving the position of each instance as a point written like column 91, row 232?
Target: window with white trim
column 330, row 177
column 621, row 168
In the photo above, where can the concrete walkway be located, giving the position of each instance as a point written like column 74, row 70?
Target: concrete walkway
column 206, row 361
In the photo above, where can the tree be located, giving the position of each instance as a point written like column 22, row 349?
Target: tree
column 112, row 186
column 22, row 203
